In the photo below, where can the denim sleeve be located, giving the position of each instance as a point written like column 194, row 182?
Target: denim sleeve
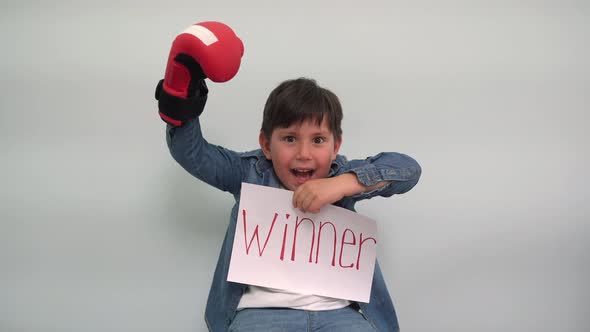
column 402, row 170
column 215, row 165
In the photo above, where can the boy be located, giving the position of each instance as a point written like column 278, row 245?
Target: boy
column 299, row 143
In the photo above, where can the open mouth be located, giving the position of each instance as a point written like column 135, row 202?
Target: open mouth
column 302, row 174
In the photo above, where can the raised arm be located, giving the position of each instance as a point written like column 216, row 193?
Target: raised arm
column 215, row 165
column 204, row 50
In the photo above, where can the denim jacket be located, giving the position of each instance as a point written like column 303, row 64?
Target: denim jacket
column 226, row 170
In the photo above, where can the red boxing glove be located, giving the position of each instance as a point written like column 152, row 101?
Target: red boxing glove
column 204, row 50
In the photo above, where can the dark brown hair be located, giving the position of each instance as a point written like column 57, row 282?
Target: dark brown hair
column 299, row 100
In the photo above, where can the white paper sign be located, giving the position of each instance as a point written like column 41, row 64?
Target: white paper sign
column 331, row 253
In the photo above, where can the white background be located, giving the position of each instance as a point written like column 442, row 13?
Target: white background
column 100, row 230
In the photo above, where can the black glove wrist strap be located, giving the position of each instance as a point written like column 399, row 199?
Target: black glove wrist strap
column 178, row 110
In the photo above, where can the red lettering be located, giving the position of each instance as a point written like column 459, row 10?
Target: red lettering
column 342, row 246
column 284, row 239
column 348, row 239
column 297, row 223
column 358, row 258
column 255, row 235
column 317, row 253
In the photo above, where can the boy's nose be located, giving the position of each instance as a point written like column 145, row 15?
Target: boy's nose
column 304, row 151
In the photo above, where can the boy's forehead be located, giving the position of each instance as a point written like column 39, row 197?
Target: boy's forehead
column 308, row 123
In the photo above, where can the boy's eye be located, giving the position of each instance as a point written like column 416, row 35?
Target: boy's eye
column 319, row 140
column 289, row 139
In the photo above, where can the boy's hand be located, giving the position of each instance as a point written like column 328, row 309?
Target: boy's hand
column 313, row 194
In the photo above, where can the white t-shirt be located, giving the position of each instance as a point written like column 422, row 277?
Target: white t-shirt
column 263, row 297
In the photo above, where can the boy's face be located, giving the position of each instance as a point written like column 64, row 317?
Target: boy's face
column 301, row 152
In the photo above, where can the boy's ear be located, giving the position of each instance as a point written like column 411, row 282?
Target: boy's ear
column 264, row 145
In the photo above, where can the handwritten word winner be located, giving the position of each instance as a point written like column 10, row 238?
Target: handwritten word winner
column 339, row 237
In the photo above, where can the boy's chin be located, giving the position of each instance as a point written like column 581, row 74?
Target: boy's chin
column 293, row 182
column 291, row 185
